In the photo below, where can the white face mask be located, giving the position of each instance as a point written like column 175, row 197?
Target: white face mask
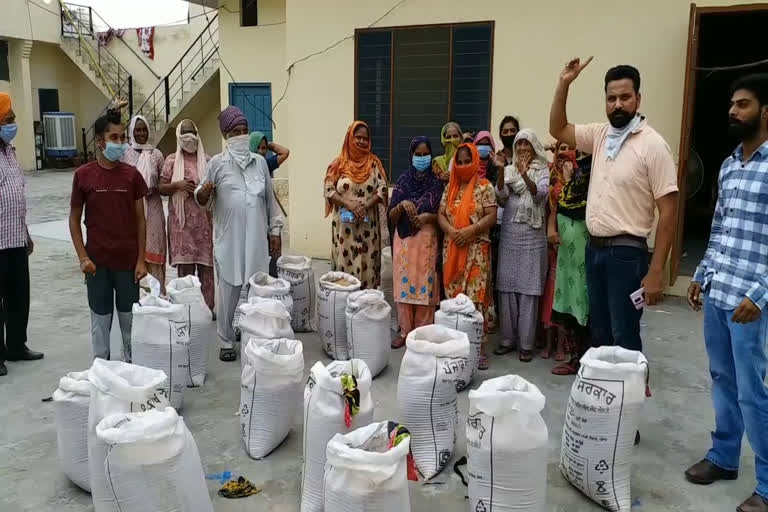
column 188, row 142
column 240, row 149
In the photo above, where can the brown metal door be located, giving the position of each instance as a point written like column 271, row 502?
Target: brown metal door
column 689, row 95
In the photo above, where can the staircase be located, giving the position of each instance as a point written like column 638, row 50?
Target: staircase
column 199, row 64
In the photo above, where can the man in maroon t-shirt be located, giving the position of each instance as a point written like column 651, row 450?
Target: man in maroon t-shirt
column 112, row 260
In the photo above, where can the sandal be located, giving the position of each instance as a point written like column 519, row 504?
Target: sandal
column 502, row 350
column 227, row 355
column 525, row 356
column 398, row 343
column 568, row 368
column 483, row 363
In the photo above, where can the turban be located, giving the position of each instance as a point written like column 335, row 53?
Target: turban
column 231, row 117
column 5, row 105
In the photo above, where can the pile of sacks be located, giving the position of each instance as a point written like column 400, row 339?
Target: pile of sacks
column 120, row 439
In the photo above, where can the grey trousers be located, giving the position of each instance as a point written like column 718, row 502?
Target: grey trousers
column 518, row 318
column 107, row 290
column 229, row 296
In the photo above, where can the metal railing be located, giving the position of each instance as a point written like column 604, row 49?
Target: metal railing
column 159, row 105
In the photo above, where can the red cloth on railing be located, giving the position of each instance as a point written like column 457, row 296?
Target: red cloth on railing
column 146, row 37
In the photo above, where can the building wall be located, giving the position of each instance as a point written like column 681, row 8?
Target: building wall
column 18, row 15
column 50, row 68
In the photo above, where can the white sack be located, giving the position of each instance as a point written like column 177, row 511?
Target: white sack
column 368, row 334
column 266, row 319
column 71, row 401
column 324, row 406
column 426, row 393
column 387, row 284
column 601, row 421
column 265, row 286
column 362, row 473
column 507, row 446
column 117, row 387
column 460, row 314
column 297, row 270
column 187, row 290
column 331, row 316
column 270, row 393
column 152, row 463
column 160, row 340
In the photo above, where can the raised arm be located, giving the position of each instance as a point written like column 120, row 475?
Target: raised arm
column 281, row 152
column 559, row 127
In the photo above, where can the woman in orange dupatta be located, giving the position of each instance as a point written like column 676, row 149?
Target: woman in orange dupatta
column 467, row 213
column 355, row 184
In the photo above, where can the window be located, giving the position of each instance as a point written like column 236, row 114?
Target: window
column 249, row 15
column 4, row 70
column 410, row 81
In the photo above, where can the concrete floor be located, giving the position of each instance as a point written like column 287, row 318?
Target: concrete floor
column 675, row 429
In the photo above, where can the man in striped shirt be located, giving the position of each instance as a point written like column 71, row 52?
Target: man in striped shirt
column 732, row 280
column 15, row 248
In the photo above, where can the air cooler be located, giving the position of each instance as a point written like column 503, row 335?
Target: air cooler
column 59, row 130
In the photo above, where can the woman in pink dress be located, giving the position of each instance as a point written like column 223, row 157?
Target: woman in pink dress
column 149, row 161
column 190, row 228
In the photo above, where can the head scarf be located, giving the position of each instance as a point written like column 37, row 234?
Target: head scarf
column 443, row 162
column 230, row 118
column 5, row 105
column 557, row 175
column 178, row 198
column 422, row 188
column 256, row 138
column 456, row 257
column 484, row 163
column 144, row 165
column 353, row 162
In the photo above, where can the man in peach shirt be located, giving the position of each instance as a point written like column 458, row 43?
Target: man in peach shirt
column 633, row 173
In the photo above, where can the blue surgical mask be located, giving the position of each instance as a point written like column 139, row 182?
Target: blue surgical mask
column 8, row 132
column 484, row 151
column 421, row 163
column 114, row 152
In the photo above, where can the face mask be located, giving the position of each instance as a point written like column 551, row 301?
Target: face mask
column 484, row 151
column 508, row 141
column 421, row 163
column 240, row 149
column 113, row 151
column 455, row 142
column 8, row 132
column 188, row 142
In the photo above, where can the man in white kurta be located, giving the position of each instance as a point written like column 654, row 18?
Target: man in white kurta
column 246, row 219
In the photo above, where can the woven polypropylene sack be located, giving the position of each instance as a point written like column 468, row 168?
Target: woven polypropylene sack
column 387, row 284
column 265, row 286
column 601, row 421
column 507, row 446
column 460, row 314
column 187, row 290
column 324, row 417
column 426, row 393
column 271, row 389
column 160, row 340
column 266, row 319
column 368, row 330
column 71, row 400
column 363, row 473
column 332, row 292
column 153, row 463
column 297, row 270
column 117, row 387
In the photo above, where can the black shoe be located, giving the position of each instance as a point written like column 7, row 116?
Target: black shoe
column 637, row 438
column 754, row 503
column 3, row 370
column 25, row 355
column 705, row 473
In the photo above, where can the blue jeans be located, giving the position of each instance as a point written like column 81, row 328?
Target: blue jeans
column 738, row 362
column 613, row 274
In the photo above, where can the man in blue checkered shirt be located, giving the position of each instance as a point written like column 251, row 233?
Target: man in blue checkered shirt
column 733, row 279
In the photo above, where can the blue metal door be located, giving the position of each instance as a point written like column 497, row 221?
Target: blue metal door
column 255, row 100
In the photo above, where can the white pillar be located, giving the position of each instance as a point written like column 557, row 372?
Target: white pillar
column 19, row 51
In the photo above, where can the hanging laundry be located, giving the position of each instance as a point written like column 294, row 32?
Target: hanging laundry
column 106, row 37
column 146, row 37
